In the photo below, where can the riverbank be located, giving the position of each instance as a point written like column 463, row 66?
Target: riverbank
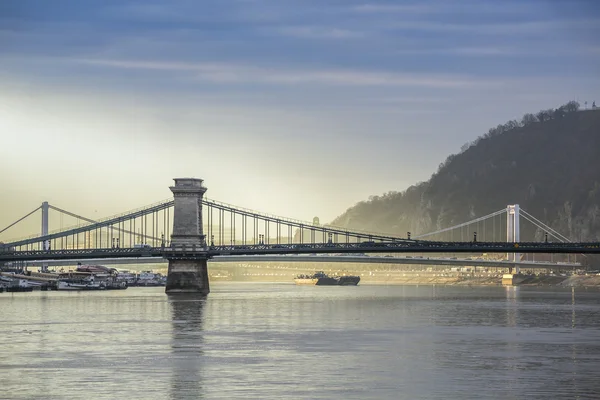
column 494, row 280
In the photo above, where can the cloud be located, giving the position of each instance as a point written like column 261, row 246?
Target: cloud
column 409, row 99
column 147, row 11
column 208, row 11
column 502, row 28
column 485, row 51
column 239, row 73
column 395, row 8
column 554, row 49
column 445, row 7
column 316, row 32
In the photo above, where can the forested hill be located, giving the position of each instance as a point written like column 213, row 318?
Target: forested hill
column 548, row 162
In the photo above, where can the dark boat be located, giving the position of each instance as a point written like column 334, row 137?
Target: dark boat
column 96, row 269
column 320, row 278
column 19, row 289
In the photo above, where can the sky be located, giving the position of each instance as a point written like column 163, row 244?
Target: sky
column 297, row 108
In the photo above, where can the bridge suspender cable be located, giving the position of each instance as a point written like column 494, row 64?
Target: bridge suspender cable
column 461, row 225
column 71, row 214
column 540, row 224
column 95, row 222
column 546, row 228
column 527, row 218
column 20, row 219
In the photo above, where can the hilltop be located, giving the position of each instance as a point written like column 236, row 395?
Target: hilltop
column 548, row 162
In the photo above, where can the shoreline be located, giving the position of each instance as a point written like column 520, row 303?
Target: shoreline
column 588, row 281
column 583, row 281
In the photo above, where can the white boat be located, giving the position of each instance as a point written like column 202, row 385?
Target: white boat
column 80, row 285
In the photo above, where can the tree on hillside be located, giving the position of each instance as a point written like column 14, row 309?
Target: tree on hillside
column 528, row 119
column 559, row 112
column 510, row 125
column 543, row 116
column 571, row 106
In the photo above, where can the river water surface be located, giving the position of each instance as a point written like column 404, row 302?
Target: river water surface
column 281, row 341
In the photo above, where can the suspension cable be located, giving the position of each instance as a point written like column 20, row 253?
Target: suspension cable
column 70, row 214
column 558, row 235
column 527, row 218
column 461, row 225
column 20, row 219
column 119, row 229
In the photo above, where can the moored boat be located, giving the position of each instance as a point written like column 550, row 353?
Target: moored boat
column 19, row 289
column 320, row 278
column 87, row 283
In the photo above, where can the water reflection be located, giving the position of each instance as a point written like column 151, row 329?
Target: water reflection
column 574, row 348
column 513, row 353
column 512, row 295
column 187, row 346
column 573, row 307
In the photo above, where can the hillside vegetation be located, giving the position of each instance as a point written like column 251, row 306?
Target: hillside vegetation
column 548, row 162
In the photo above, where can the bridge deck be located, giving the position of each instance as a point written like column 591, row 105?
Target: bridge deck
column 265, row 249
column 303, row 258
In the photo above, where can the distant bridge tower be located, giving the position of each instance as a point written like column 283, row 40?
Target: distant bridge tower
column 188, row 274
column 45, row 208
column 512, row 231
column 46, row 243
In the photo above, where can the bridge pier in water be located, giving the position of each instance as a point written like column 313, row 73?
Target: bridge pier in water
column 188, row 273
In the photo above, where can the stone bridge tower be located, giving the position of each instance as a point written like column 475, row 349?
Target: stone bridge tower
column 188, row 272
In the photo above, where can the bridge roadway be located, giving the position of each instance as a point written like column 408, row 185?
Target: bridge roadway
column 405, row 246
column 357, row 259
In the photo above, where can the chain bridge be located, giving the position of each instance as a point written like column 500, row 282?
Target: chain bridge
column 189, row 229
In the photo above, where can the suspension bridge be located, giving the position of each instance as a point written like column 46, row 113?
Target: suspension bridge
column 189, row 229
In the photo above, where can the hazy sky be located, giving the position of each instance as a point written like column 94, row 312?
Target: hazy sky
column 296, row 108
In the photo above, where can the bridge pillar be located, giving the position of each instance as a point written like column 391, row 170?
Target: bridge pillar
column 188, row 273
column 45, row 243
column 512, row 232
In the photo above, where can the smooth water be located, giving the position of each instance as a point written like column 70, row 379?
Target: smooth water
column 278, row 341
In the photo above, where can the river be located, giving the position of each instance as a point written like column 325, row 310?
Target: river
column 281, row 341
